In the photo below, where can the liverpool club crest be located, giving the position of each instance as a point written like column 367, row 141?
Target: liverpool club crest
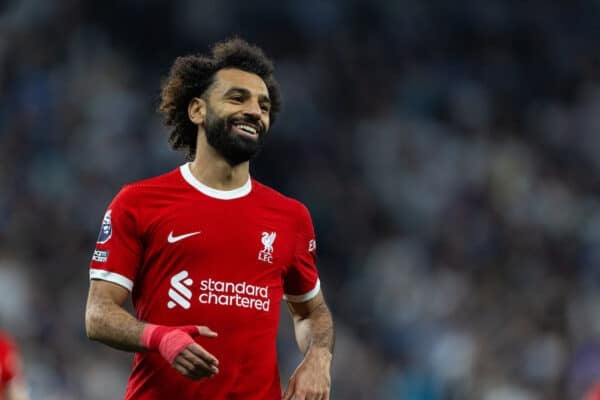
column 266, row 254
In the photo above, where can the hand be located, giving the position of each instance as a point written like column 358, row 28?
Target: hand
column 194, row 361
column 176, row 345
column 311, row 380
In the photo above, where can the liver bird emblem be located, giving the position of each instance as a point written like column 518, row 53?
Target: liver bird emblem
column 267, row 241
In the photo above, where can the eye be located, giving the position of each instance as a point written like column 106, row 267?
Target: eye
column 236, row 99
column 265, row 108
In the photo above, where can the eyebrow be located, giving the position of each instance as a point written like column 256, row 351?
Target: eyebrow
column 235, row 90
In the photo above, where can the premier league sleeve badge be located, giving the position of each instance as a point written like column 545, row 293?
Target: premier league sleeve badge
column 105, row 229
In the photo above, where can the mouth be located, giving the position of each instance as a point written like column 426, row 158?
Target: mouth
column 247, row 129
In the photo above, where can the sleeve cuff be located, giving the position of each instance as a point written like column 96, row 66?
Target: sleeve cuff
column 300, row 298
column 113, row 277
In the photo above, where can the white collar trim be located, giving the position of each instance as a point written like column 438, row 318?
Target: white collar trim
column 242, row 191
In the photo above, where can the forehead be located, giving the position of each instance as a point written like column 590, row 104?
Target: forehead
column 228, row 78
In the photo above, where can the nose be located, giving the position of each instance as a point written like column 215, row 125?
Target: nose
column 253, row 109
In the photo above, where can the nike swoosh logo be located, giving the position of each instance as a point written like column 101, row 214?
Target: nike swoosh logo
column 173, row 239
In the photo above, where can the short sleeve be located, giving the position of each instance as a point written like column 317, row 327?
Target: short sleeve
column 117, row 255
column 301, row 281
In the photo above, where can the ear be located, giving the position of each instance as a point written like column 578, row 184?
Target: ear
column 197, row 110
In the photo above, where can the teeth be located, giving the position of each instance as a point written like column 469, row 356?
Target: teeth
column 247, row 128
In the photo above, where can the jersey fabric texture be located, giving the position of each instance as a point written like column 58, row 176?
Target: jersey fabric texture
column 9, row 366
column 191, row 254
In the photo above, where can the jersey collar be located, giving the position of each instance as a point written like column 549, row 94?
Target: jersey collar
column 215, row 193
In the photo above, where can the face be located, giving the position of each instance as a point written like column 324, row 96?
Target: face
column 237, row 115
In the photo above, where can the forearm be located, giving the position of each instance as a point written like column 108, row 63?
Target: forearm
column 313, row 327
column 108, row 322
column 315, row 330
column 111, row 324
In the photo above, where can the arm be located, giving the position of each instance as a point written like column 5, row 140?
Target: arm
column 108, row 322
column 313, row 327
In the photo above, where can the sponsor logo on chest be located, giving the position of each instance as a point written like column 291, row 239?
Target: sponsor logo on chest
column 179, row 292
column 215, row 292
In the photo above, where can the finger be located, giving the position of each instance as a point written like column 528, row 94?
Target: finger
column 317, row 395
column 200, row 376
column 299, row 396
column 197, row 350
column 189, row 374
column 198, row 330
column 182, row 362
column 191, row 330
column 198, row 364
column 180, row 369
column 289, row 391
column 201, row 373
column 206, row 331
column 322, row 394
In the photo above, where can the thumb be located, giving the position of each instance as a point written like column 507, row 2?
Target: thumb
column 205, row 331
column 198, row 330
column 191, row 330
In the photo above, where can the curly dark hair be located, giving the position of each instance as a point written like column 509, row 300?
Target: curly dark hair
column 191, row 75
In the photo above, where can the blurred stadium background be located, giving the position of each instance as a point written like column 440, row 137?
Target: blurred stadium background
column 449, row 153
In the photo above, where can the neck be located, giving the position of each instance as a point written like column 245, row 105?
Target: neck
column 210, row 168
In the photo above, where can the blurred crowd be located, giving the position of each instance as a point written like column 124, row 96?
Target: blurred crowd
column 448, row 152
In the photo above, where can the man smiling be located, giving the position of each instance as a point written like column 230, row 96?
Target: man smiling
column 206, row 246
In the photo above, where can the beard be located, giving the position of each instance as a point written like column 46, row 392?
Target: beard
column 234, row 148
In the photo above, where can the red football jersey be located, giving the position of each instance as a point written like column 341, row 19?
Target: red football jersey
column 191, row 254
column 9, row 362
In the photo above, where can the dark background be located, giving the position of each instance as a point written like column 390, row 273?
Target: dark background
column 449, row 153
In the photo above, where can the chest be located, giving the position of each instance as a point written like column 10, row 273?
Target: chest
column 221, row 237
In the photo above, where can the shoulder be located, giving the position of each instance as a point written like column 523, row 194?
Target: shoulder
column 135, row 191
column 278, row 199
